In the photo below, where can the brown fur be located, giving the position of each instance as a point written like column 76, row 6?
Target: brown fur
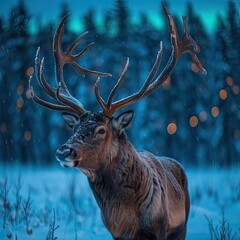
column 141, row 196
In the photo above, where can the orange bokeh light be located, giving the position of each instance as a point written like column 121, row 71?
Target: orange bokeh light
column 30, row 71
column 28, row 93
column 20, row 103
column 229, row 80
column 27, row 135
column 215, row 111
column 236, row 90
column 193, row 121
column 223, row 94
column 171, row 128
column 20, row 89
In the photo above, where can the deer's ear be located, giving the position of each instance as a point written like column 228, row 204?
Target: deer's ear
column 123, row 120
column 71, row 119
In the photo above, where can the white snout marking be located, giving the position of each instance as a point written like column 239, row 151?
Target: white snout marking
column 69, row 163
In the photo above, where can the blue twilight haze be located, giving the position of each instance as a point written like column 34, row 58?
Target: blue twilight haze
column 192, row 117
column 49, row 10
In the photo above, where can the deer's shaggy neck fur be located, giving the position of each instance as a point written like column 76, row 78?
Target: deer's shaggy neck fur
column 129, row 191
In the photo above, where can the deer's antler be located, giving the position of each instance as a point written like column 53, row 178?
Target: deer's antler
column 67, row 102
column 70, row 104
column 186, row 45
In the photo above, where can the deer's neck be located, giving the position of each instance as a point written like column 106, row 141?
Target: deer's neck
column 122, row 160
column 125, row 175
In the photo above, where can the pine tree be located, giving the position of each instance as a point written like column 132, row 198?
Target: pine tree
column 15, row 72
column 227, row 79
column 194, row 103
column 122, row 20
column 5, row 139
column 18, row 28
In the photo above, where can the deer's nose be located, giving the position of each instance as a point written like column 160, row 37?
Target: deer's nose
column 65, row 152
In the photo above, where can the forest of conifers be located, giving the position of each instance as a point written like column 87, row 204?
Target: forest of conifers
column 194, row 118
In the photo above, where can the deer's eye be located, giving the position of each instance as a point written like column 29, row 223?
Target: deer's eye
column 101, row 131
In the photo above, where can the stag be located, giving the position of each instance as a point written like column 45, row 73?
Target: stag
column 141, row 196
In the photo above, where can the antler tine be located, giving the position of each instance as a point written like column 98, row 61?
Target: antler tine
column 118, row 84
column 106, row 106
column 137, row 96
column 63, row 58
column 84, row 71
column 59, row 55
column 48, row 105
column 69, row 100
column 99, row 98
column 66, row 57
column 187, row 45
column 61, row 94
column 178, row 48
column 79, row 69
column 39, row 69
column 79, row 55
column 173, row 58
column 76, row 42
column 195, row 46
column 112, row 107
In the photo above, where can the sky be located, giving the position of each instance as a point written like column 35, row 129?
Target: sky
column 48, row 10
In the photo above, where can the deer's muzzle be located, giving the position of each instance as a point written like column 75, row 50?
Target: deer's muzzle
column 67, row 156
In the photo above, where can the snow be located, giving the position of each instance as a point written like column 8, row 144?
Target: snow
column 66, row 192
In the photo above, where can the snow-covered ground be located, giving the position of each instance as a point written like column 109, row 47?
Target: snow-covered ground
column 34, row 195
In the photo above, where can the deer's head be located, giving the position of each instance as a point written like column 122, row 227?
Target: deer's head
column 96, row 135
column 95, row 138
